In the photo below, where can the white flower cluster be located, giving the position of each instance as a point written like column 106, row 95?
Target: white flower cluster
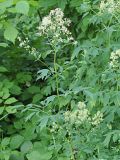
column 110, row 6
column 55, row 128
column 82, row 115
column 97, row 119
column 54, row 27
column 25, row 44
column 114, row 59
column 79, row 116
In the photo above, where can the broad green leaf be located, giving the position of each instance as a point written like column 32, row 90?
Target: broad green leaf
column 47, row 3
column 3, row 45
column 16, row 141
column 16, row 155
column 62, row 4
column 11, row 100
column 23, row 77
column 5, row 141
column 39, row 155
column 11, row 109
column 6, row 95
column 3, row 69
column 10, row 33
column 6, row 3
column 16, row 90
column 22, row 7
column 37, row 98
column 34, row 155
column 26, row 146
column 34, row 89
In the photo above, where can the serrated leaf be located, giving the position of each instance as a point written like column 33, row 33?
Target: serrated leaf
column 107, row 140
column 44, row 122
column 43, row 74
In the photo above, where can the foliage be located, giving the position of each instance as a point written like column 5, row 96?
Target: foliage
column 59, row 81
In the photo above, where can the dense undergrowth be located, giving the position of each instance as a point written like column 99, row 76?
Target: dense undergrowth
column 59, row 80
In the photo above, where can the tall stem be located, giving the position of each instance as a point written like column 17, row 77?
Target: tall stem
column 56, row 74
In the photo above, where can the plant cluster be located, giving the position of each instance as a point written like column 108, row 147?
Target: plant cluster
column 59, row 80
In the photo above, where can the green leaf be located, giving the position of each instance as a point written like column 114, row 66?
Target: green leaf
column 3, row 69
column 10, row 100
column 11, row 109
column 26, row 146
column 1, row 110
column 34, row 89
column 34, row 155
column 22, row 7
column 37, row 98
column 107, row 140
column 10, row 33
column 47, row 3
column 115, row 137
column 16, row 90
column 43, row 73
column 16, row 155
column 6, row 3
column 1, row 100
column 39, row 155
column 3, row 45
column 6, row 95
column 23, row 77
column 62, row 4
column 76, row 52
column 5, row 141
column 16, row 141
column 44, row 122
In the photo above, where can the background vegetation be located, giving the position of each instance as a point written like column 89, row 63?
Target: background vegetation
column 60, row 103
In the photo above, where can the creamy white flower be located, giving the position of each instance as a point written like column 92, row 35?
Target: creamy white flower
column 109, row 6
column 46, row 21
column 114, row 59
column 97, row 119
column 54, row 27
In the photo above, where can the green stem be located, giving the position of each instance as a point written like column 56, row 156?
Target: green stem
column 56, row 74
column 54, row 145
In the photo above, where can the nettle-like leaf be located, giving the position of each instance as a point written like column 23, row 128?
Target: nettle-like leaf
column 42, row 74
